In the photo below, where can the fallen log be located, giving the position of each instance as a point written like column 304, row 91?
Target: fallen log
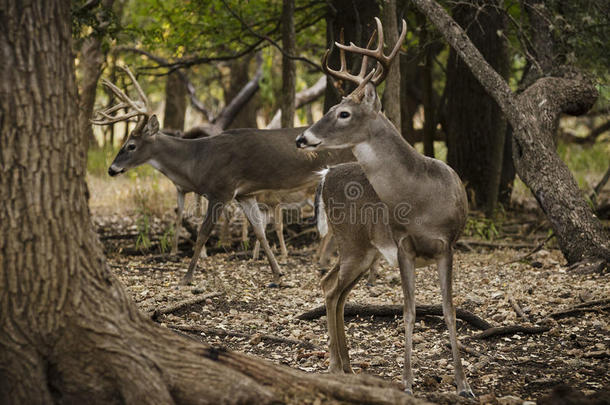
column 396, row 310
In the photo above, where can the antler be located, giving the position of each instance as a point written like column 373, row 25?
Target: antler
column 377, row 75
column 140, row 107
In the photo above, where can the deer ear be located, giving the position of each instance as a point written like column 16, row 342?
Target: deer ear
column 371, row 98
column 152, row 126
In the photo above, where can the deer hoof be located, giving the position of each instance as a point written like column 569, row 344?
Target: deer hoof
column 273, row 284
column 186, row 281
column 466, row 393
column 409, row 391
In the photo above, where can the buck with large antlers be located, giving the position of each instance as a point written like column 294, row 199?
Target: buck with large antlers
column 424, row 198
column 237, row 164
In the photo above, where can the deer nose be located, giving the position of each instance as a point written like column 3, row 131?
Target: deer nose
column 113, row 171
column 301, row 141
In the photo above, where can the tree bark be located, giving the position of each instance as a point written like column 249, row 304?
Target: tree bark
column 245, row 116
column 391, row 94
column 289, row 71
column 476, row 128
column 534, row 115
column 68, row 332
column 175, row 102
column 90, row 64
column 355, row 18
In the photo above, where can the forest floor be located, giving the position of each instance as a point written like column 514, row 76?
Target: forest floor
column 237, row 310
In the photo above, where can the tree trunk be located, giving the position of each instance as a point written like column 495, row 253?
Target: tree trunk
column 91, row 58
column 534, row 116
column 246, row 113
column 68, row 332
column 289, row 71
column 356, row 19
column 428, row 92
column 476, row 128
column 175, row 102
column 391, row 94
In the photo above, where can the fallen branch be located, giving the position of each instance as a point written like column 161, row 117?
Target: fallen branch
column 154, row 315
column 577, row 310
column 510, row 330
column 465, row 349
column 513, row 245
column 517, row 308
column 222, row 332
column 396, row 310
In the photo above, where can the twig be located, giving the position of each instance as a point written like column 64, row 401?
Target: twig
column 270, row 40
column 531, row 252
column 465, row 349
column 396, row 310
column 496, row 244
column 576, row 310
column 154, row 315
column 517, row 308
column 511, row 330
column 222, row 332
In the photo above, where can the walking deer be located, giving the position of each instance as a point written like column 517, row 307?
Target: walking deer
column 237, row 164
column 423, row 197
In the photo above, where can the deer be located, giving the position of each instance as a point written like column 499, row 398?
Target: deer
column 236, row 165
column 424, row 199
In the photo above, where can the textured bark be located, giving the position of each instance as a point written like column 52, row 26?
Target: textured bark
column 91, row 58
column 391, row 94
column 245, row 111
column 175, row 102
column 356, row 19
column 475, row 125
column 534, row 115
column 68, row 332
column 289, row 71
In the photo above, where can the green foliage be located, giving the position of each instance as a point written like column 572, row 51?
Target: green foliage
column 484, row 228
column 211, row 27
column 93, row 19
column 143, row 225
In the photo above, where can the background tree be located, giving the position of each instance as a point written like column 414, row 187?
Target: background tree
column 533, row 115
column 289, row 73
column 475, row 125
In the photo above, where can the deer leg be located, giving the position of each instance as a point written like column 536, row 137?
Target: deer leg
column 225, row 229
column 406, row 262
column 363, row 263
column 445, row 270
column 324, row 249
column 256, row 219
column 200, row 203
column 278, row 223
column 214, row 209
column 373, row 271
column 178, row 221
column 337, row 284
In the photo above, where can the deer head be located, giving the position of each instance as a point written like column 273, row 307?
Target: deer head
column 137, row 147
column 354, row 119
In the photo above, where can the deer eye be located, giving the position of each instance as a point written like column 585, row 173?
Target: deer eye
column 131, row 147
column 344, row 114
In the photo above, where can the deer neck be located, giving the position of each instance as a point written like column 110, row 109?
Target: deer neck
column 391, row 165
column 170, row 157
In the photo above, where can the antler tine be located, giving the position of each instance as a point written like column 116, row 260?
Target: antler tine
column 384, row 61
column 143, row 97
column 343, row 73
column 139, row 107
